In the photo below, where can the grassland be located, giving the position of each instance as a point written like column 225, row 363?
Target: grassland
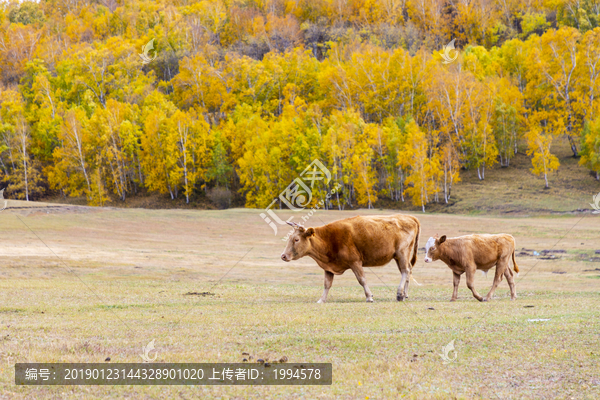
column 83, row 285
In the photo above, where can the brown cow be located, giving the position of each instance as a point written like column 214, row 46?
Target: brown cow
column 358, row 242
column 472, row 252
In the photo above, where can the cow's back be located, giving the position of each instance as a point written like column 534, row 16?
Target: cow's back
column 377, row 238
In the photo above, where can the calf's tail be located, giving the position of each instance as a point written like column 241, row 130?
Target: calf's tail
column 515, row 266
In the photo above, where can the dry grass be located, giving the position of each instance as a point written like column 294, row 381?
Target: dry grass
column 127, row 272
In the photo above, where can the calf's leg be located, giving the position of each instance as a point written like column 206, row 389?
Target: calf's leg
column 511, row 283
column 500, row 268
column 360, row 276
column 470, row 271
column 456, row 283
column 328, row 283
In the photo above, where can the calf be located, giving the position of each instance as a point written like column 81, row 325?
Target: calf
column 472, row 252
column 358, row 242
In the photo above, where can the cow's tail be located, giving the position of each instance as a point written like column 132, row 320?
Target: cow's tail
column 413, row 260
column 413, row 278
column 515, row 266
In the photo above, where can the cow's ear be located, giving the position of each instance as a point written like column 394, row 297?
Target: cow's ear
column 309, row 232
column 442, row 239
column 300, row 228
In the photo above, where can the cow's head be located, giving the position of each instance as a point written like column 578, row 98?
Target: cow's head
column 432, row 248
column 298, row 244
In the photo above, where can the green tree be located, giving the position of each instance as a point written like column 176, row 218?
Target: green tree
column 590, row 147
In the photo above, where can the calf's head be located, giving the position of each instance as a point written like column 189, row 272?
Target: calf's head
column 432, row 248
column 298, row 244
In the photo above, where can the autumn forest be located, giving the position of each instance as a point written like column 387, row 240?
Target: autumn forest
column 107, row 99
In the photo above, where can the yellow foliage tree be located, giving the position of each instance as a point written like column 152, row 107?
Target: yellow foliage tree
column 539, row 142
column 365, row 176
column 77, row 158
column 424, row 171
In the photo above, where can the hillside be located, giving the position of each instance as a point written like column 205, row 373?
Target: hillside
column 516, row 190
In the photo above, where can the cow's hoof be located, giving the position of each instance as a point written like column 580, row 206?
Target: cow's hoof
column 370, row 300
column 400, row 297
column 484, row 299
column 320, row 301
column 452, row 299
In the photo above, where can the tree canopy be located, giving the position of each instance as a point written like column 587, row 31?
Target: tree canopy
column 244, row 94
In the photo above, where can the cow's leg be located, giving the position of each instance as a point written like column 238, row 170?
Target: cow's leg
column 402, row 263
column 410, row 267
column 456, row 283
column 470, row 271
column 511, row 283
column 328, row 283
column 360, row 276
column 500, row 268
column 406, row 286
